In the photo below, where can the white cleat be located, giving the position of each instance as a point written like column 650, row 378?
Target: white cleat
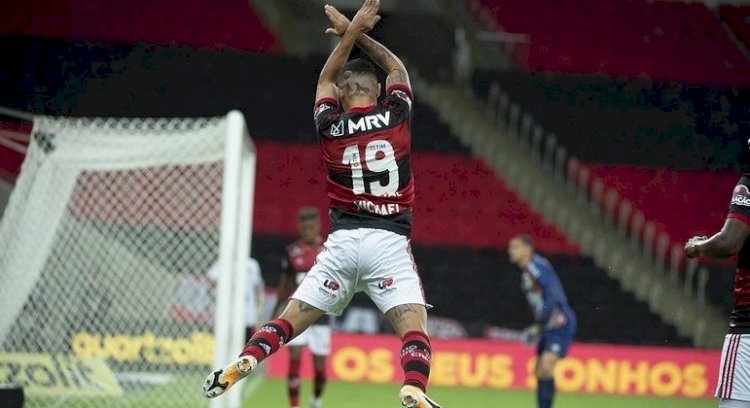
column 316, row 403
column 219, row 381
column 413, row 397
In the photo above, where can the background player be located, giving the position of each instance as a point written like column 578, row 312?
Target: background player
column 555, row 323
column 733, row 388
column 366, row 148
column 254, row 292
column 298, row 260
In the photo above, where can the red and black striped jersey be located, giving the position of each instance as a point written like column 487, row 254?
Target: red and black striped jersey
column 739, row 208
column 300, row 258
column 367, row 153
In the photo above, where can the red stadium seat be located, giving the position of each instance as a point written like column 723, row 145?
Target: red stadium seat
column 460, row 201
column 666, row 40
column 682, row 203
column 226, row 23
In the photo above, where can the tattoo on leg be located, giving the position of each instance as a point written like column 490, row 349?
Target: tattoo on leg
column 400, row 313
column 305, row 308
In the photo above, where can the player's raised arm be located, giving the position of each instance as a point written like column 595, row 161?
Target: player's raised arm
column 725, row 243
column 380, row 54
column 363, row 21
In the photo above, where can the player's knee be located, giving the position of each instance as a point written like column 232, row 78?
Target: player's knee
column 545, row 372
column 545, row 368
column 407, row 318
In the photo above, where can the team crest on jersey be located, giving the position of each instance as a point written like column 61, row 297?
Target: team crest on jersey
column 741, row 196
column 337, row 129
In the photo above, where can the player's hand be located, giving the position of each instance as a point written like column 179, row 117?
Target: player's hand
column 339, row 21
column 691, row 247
column 530, row 335
column 366, row 17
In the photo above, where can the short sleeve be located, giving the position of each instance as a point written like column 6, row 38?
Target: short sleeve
column 739, row 207
column 399, row 96
column 326, row 113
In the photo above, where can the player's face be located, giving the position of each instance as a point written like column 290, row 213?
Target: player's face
column 518, row 251
column 309, row 230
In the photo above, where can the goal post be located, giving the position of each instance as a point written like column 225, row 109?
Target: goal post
column 104, row 250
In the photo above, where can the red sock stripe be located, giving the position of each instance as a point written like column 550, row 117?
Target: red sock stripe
column 416, row 335
column 320, row 381
column 415, row 359
column 294, row 364
column 268, row 339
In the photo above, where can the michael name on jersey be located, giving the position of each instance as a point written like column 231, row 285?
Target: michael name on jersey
column 363, row 124
column 379, row 209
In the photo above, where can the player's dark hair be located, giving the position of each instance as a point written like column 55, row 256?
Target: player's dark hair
column 308, row 214
column 358, row 66
column 526, row 239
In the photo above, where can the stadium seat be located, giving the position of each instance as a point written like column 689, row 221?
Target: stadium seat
column 227, row 23
column 682, row 203
column 480, row 288
column 738, row 18
column 663, row 40
column 460, row 201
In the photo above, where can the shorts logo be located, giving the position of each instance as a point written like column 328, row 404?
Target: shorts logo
column 331, row 284
column 385, row 284
column 337, row 129
column 741, row 196
column 555, row 348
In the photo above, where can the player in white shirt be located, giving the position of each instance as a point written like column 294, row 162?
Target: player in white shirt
column 254, row 293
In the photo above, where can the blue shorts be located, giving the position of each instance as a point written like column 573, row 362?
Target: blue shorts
column 556, row 341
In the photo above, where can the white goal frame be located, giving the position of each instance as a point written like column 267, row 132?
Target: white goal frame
column 234, row 236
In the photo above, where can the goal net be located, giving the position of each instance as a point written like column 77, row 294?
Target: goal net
column 104, row 251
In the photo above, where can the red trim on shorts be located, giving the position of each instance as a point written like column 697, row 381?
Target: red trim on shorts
column 727, row 363
column 730, row 359
column 734, row 364
column 737, row 216
column 416, row 270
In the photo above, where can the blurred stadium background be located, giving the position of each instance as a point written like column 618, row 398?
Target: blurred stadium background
column 609, row 130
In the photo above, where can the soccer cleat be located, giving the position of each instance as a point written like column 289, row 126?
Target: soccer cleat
column 219, row 381
column 413, row 397
column 316, row 403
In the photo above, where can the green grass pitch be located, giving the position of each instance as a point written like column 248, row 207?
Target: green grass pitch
column 272, row 393
column 267, row 393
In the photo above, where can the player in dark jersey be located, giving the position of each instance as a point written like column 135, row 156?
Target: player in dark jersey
column 366, row 148
column 555, row 322
column 298, row 259
column 733, row 389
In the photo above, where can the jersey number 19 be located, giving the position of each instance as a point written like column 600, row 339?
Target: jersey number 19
column 379, row 158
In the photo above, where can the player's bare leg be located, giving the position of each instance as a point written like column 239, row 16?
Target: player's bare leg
column 545, row 374
column 319, row 363
column 409, row 321
column 296, row 318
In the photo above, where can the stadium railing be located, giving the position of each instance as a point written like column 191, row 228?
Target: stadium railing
column 608, row 228
column 666, row 255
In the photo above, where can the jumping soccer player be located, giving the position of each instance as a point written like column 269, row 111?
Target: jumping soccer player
column 555, row 322
column 298, row 260
column 366, row 147
column 733, row 389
